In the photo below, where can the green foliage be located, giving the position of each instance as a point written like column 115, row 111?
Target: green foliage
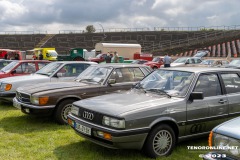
column 90, row 29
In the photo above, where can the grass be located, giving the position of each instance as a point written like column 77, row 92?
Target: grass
column 29, row 137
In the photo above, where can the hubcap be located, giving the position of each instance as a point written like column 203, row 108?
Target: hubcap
column 66, row 111
column 162, row 142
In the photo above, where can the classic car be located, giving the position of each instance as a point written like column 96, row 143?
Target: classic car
column 139, row 61
column 235, row 63
column 184, row 61
column 55, row 71
column 156, row 63
column 224, row 140
column 22, row 67
column 211, row 63
column 166, row 107
column 55, row 99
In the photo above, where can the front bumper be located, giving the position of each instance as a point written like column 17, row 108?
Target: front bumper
column 121, row 139
column 33, row 109
column 7, row 96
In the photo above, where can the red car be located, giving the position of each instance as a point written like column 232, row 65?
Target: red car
column 155, row 63
column 22, row 67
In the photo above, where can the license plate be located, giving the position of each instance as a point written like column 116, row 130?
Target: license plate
column 17, row 105
column 83, row 129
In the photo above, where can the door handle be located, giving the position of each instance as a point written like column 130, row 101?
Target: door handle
column 222, row 101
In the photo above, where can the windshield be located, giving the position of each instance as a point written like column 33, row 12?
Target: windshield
column 174, row 83
column 235, row 62
column 94, row 74
column 52, row 53
column 9, row 67
column 200, row 54
column 180, row 60
column 207, row 62
column 49, row 69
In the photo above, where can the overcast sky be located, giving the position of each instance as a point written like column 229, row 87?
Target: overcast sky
column 55, row 15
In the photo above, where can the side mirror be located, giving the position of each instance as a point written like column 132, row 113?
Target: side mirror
column 60, row 74
column 111, row 81
column 13, row 72
column 196, row 95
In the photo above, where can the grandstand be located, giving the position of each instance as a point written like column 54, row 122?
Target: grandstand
column 222, row 41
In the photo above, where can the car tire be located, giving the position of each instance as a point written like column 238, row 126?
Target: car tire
column 160, row 141
column 62, row 110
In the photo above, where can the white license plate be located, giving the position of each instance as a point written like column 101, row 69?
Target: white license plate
column 83, row 129
column 17, row 105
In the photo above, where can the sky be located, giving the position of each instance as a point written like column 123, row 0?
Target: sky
column 64, row 15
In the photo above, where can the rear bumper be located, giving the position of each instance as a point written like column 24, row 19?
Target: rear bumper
column 121, row 139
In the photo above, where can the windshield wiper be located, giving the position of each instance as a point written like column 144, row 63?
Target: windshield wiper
column 42, row 74
column 159, row 91
column 140, row 87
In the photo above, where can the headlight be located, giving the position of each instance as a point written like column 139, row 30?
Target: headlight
column 39, row 100
column 230, row 145
column 5, row 87
column 113, row 122
column 74, row 110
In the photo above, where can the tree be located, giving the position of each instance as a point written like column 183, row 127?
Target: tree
column 90, row 29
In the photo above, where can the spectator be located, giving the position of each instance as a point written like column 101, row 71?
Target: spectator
column 108, row 58
column 115, row 58
column 16, row 57
column 40, row 56
column 167, row 61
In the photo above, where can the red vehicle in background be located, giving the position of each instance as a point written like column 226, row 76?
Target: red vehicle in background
column 155, row 63
column 99, row 58
column 3, row 53
column 22, row 67
column 12, row 54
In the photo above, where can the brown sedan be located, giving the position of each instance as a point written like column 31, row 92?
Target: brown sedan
column 56, row 98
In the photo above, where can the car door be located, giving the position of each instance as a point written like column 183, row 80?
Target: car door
column 125, row 78
column 231, row 82
column 204, row 114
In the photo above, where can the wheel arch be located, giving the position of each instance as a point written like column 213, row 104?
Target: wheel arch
column 67, row 98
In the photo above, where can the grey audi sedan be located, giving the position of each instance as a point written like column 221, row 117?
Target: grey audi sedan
column 166, row 107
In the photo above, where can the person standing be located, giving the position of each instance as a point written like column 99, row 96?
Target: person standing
column 108, row 58
column 167, row 61
column 115, row 58
column 40, row 56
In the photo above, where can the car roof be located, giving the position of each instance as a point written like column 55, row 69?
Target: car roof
column 70, row 62
column 201, row 69
column 117, row 65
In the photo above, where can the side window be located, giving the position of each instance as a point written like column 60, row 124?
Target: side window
column 198, row 61
column 231, row 82
column 127, row 75
column 208, row 84
column 72, row 70
column 26, row 68
column 192, row 61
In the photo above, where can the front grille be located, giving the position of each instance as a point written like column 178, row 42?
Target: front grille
column 97, row 117
column 22, row 97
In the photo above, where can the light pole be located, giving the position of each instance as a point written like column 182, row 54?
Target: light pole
column 104, row 35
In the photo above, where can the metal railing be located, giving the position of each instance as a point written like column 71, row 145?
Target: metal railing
column 199, row 28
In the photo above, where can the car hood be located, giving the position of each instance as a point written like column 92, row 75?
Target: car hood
column 51, row 86
column 230, row 128
column 125, row 102
column 30, row 78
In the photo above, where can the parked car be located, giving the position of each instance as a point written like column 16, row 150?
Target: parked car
column 166, row 107
column 57, row 98
column 139, row 61
column 225, row 135
column 202, row 53
column 99, row 58
column 22, row 67
column 155, row 63
column 235, row 63
column 211, row 63
column 4, row 62
column 183, row 61
column 55, row 71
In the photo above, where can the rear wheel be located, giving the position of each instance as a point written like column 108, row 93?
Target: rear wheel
column 62, row 110
column 160, row 141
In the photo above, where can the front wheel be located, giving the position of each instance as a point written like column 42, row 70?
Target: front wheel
column 62, row 110
column 160, row 141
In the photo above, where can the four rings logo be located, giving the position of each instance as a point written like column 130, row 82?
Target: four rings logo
column 88, row 115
